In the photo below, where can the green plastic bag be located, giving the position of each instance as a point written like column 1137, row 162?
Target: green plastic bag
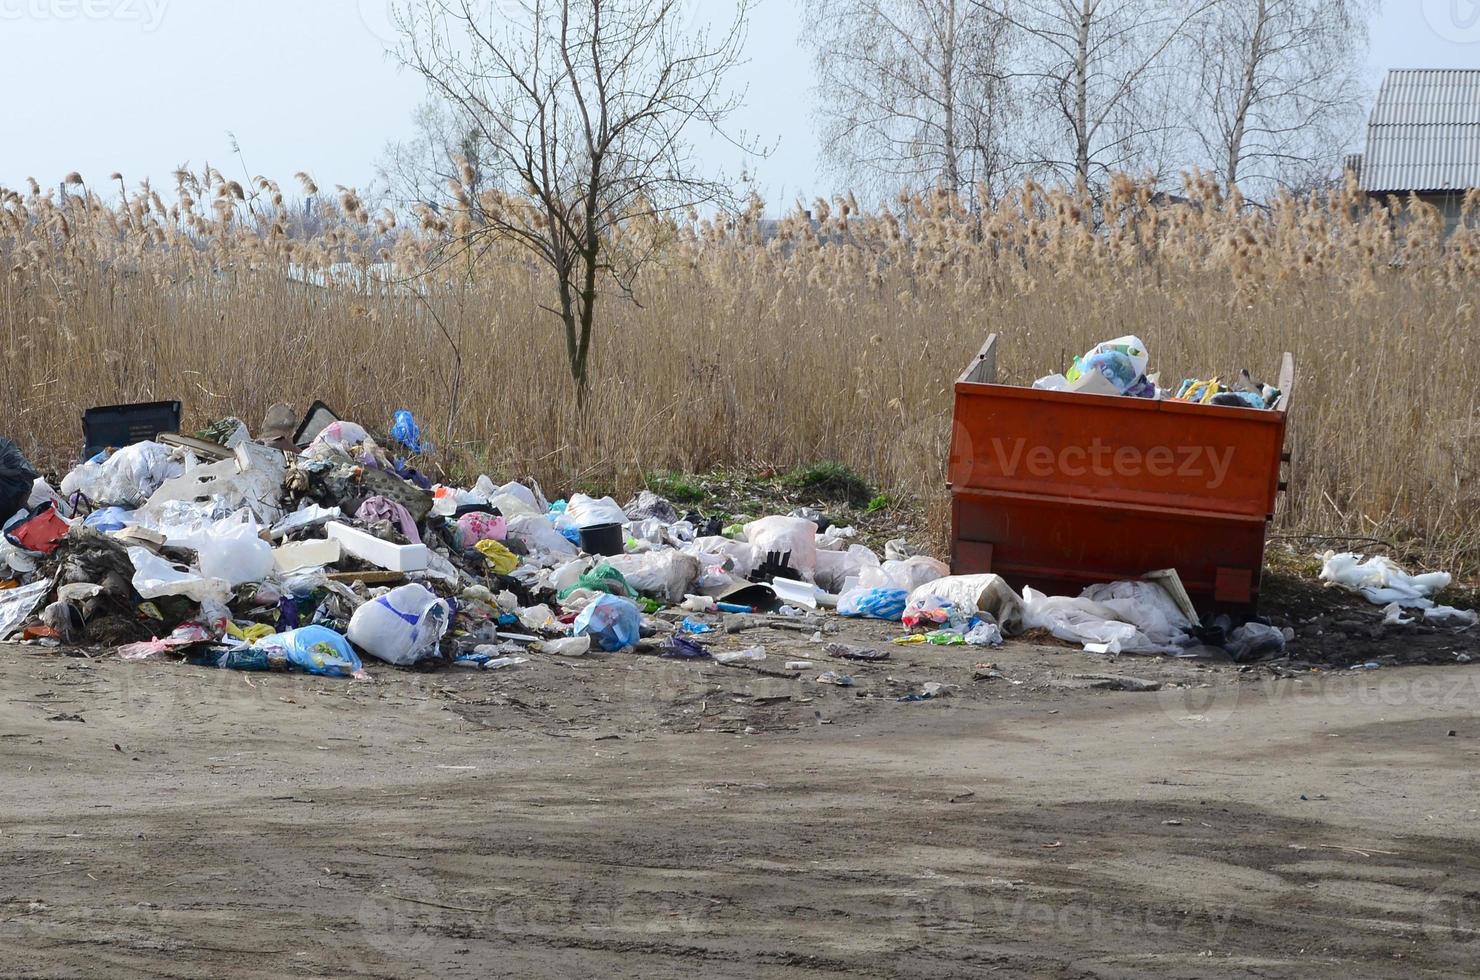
column 602, row 578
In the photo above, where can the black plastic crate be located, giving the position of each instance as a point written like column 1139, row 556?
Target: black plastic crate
column 116, row 426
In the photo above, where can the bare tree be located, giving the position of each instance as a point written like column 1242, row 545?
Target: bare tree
column 444, row 148
column 1279, row 85
column 1097, row 76
column 588, row 110
column 910, row 91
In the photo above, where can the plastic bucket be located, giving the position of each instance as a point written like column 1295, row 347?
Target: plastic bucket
column 603, row 539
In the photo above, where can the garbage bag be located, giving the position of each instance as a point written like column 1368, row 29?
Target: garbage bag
column 128, row 478
column 668, row 575
column 16, row 478
column 401, row 627
column 979, row 593
column 1252, row 641
column 878, row 603
column 786, row 535
column 612, row 622
column 313, row 650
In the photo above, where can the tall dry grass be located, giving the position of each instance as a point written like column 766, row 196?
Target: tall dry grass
column 835, row 339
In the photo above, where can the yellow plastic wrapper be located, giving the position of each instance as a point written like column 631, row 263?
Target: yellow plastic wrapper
column 253, row 633
column 500, row 559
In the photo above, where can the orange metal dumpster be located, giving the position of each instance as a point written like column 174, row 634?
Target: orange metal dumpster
column 1059, row 490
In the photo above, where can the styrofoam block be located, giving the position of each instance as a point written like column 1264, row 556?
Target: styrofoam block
column 306, row 554
column 367, row 547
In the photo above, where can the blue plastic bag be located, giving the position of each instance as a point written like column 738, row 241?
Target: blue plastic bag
column 885, row 604
column 407, row 432
column 109, row 519
column 314, row 650
column 613, row 622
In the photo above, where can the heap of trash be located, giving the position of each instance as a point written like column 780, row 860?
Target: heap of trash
column 313, row 550
column 1119, row 366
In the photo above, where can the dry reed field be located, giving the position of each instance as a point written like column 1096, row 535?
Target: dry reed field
column 832, row 339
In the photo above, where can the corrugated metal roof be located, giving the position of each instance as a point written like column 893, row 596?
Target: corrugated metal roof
column 1424, row 134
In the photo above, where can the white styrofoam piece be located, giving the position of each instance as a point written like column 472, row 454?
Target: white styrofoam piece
column 367, row 547
column 306, row 554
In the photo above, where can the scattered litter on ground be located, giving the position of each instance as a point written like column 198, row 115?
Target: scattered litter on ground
column 315, row 555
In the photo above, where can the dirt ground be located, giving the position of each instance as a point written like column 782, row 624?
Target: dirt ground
column 1054, row 815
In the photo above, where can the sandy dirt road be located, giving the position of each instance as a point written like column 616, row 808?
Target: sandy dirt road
column 633, row 817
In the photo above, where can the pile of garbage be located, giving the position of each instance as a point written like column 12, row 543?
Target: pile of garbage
column 264, row 554
column 1119, row 366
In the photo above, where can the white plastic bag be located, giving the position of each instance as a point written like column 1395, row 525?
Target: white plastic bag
column 538, row 535
column 1145, row 605
column 1381, row 580
column 401, row 627
column 917, row 570
column 668, row 575
column 740, row 554
column 230, row 550
column 834, row 568
column 1083, row 621
column 785, row 535
column 128, row 477
column 583, row 511
column 155, row 577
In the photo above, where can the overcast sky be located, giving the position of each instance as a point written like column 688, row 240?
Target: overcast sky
column 141, row 86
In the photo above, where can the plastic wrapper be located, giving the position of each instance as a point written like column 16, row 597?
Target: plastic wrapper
column 17, row 605
column 500, row 560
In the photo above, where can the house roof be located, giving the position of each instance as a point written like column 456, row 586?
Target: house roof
column 1424, row 134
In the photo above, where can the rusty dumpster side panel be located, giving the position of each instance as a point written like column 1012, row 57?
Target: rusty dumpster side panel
column 1059, row 490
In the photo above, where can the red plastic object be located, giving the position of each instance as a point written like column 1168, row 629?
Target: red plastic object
column 42, row 532
column 1059, row 490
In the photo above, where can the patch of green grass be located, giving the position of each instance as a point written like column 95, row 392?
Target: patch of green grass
column 831, row 481
column 880, row 502
column 676, row 488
